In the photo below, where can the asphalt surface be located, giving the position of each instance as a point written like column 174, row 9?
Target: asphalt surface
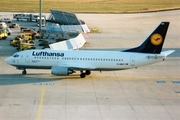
column 150, row 92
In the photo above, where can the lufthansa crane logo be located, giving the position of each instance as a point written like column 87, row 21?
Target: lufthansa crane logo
column 156, row 39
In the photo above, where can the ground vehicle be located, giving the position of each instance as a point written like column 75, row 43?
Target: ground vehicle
column 21, row 38
column 43, row 24
column 3, row 34
column 7, row 20
column 15, row 43
column 9, row 32
column 27, row 17
column 22, row 42
column 24, row 36
column 28, row 31
column 24, row 46
column 23, row 17
column 3, row 25
column 14, row 25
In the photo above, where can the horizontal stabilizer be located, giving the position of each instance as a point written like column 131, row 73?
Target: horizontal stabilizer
column 168, row 52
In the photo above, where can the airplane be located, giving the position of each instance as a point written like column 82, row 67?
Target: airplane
column 65, row 62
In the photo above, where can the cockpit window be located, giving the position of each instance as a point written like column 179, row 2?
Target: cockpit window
column 15, row 55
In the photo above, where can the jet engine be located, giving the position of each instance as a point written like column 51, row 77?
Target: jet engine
column 60, row 71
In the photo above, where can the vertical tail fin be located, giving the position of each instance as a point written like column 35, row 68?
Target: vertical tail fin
column 154, row 42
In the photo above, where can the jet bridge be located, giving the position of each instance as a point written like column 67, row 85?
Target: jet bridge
column 67, row 21
column 64, row 18
column 71, row 44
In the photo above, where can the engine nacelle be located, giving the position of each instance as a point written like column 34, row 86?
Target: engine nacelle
column 61, row 71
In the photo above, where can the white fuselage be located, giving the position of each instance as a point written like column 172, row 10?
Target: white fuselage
column 82, row 59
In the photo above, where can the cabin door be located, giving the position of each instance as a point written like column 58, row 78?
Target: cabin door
column 27, row 58
column 132, row 60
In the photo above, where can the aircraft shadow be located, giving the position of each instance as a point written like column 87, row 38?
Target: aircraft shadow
column 14, row 79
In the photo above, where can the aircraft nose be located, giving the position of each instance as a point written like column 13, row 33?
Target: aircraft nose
column 8, row 60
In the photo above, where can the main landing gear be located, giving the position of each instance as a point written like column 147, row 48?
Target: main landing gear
column 83, row 74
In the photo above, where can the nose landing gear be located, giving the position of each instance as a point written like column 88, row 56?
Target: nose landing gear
column 24, row 72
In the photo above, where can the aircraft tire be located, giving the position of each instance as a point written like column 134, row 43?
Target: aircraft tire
column 24, row 72
column 88, row 72
column 83, row 75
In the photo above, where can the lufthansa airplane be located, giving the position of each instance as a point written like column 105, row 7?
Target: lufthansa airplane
column 65, row 62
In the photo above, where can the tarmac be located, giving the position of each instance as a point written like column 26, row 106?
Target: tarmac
column 147, row 93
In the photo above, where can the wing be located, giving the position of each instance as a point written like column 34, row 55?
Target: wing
column 82, row 66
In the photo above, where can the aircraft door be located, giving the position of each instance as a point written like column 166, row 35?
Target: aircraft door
column 27, row 58
column 132, row 60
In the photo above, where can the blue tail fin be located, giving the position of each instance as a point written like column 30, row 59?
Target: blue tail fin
column 154, row 42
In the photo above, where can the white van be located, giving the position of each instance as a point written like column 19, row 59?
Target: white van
column 43, row 19
column 7, row 20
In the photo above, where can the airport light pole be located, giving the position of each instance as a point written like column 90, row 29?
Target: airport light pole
column 40, row 15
